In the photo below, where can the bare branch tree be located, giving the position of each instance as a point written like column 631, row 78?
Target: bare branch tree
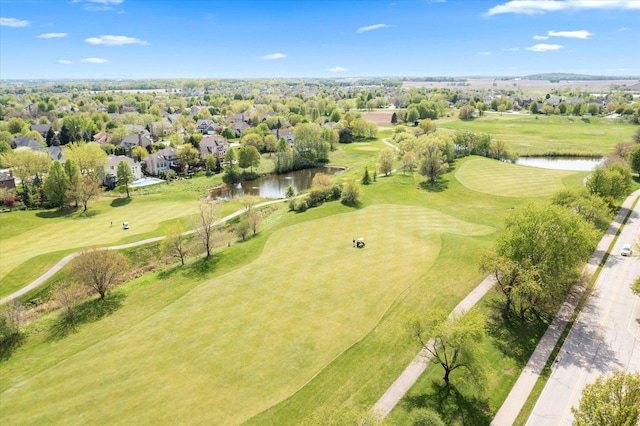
column 206, row 218
column 175, row 242
column 13, row 315
column 99, row 269
column 69, row 296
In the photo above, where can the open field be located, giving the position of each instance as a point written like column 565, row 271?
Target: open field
column 543, row 135
column 536, row 86
column 277, row 327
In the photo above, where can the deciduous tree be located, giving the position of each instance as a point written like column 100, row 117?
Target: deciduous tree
column 537, row 256
column 385, row 160
column 69, row 295
column 56, row 185
column 175, row 242
column 89, row 157
column 188, row 156
column 433, row 162
column 99, row 269
column 124, row 175
column 350, row 193
column 204, row 221
column 89, row 188
column 248, row 156
column 450, row 341
column 613, row 400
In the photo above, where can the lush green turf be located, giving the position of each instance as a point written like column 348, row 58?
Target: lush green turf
column 539, row 134
column 508, row 180
column 38, row 239
column 269, row 330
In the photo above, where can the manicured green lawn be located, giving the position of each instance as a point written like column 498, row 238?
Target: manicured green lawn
column 539, row 134
column 33, row 241
column 270, row 330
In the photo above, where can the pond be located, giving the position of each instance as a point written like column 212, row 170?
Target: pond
column 580, row 164
column 273, row 186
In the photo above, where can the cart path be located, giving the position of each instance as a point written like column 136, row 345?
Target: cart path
column 65, row 260
column 417, row 366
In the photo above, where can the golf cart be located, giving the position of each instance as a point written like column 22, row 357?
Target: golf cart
column 360, row 242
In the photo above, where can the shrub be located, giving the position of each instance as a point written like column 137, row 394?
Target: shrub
column 336, row 192
column 9, row 202
column 301, row 206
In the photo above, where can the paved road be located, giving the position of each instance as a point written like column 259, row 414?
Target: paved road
column 518, row 395
column 605, row 336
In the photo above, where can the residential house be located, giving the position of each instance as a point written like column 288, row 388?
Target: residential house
column 137, row 139
column 161, row 160
column 43, row 129
column 26, row 142
column 102, row 137
column 239, row 127
column 284, row 133
column 7, row 181
column 110, row 177
column 240, row 117
column 213, row 145
column 206, row 127
column 56, row 153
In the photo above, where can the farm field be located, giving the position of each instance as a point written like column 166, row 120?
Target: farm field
column 548, row 135
column 286, row 324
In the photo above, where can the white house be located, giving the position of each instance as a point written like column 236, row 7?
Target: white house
column 110, row 177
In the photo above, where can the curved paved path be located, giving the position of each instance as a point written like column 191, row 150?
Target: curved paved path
column 65, row 260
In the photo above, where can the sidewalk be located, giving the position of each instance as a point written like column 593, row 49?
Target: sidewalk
column 516, row 399
column 417, row 366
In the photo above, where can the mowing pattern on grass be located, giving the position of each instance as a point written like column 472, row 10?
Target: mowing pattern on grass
column 237, row 344
column 509, row 180
column 100, row 226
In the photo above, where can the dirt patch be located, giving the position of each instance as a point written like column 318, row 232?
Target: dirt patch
column 378, row 117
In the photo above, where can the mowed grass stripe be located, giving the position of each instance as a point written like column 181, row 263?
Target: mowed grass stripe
column 240, row 343
column 61, row 233
column 510, row 180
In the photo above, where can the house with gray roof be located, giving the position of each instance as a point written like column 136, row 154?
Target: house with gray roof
column 215, row 145
column 161, row 160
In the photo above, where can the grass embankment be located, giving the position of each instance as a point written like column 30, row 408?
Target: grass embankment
column 549, row 135
column 295, row 319
column 33, row 241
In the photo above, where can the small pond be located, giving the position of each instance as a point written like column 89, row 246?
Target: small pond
column 581, row 164
column 274, row 186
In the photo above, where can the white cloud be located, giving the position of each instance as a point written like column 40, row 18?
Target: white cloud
column 583, row 34
column 544, row 47
column 94, row 60
column 337, row 69
column 535, row 7
column 372, row 27
column 510, row 49
column 272, row 56
column 484, row 53
column 624, row 29
column 53, row 35
column 13, row 22
column 64, row 61
column 111, row 40
column 539, row 37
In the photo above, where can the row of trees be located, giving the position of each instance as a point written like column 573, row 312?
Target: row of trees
column 47, row 182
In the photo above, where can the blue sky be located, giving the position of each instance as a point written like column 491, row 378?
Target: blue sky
column 328, row 38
